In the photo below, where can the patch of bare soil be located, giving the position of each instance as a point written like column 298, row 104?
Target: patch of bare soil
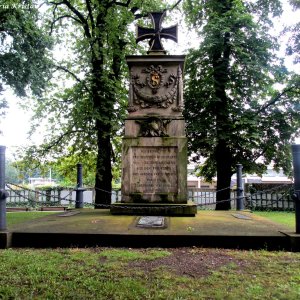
column 192, row 262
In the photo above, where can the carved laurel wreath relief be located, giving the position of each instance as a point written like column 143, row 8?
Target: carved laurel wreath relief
column 157, row 88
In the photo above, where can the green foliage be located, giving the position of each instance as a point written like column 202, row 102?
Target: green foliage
column 11, row 172
column 86, row 102
column 232, row 95
column 47, row 187
column 24, row 56
column 32, row 168
column 293, row 47
column 66, row 169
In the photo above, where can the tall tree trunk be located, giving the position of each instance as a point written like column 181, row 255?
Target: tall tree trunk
column 223, row 154
column 104, row 99
column 104, row 109
column 224, row 162
column 103, row 169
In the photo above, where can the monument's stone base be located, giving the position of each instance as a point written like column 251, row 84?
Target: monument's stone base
column 188, row 209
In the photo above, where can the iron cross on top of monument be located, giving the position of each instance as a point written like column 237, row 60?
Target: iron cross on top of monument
column 157, row 33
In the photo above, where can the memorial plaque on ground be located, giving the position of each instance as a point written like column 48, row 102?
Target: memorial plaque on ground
column 151, row 222
column 241, row 216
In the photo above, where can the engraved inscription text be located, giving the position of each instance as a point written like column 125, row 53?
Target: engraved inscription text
column 154, row 169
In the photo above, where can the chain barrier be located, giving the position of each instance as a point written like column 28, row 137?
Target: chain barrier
column 228, row 188
column 173, row 205
column 40, row 193
column 108, row 192
column 269, row 204
column 20, row 195
column 160, row 207
column 256, row 200
column 270, row 190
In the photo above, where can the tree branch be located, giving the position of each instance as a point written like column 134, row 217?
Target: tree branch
column 74, row 76
column 79, row 15
column 62, row 17
column 56, row 3
column 56, row 142
column 121, row 3
column 89, row 8
column 277, row 98
column 75, row 11
column 176, row 4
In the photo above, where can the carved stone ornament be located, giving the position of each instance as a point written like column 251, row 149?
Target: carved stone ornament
column 157, row 88
column 155, row 77
column 153, row 127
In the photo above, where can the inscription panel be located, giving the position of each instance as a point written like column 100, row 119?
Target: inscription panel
column 154, row 170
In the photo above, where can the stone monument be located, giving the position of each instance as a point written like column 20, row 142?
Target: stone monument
column 154, row 152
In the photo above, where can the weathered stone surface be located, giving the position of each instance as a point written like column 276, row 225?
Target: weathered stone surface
column 154, row 170
column 241, row 216
column 155, row 85
column 154, row 152
column 151, row 222
column 154, row 209
column 175, row 126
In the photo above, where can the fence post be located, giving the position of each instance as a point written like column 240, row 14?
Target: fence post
column 3, row 193
column 296, row 196
column 79, row 189
column 239, row 188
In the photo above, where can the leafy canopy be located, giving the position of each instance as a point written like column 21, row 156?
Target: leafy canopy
column 257, row 116
column 86, row 99
column 24, row 48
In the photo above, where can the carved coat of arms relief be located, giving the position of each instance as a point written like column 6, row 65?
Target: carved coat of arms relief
column 155, row 86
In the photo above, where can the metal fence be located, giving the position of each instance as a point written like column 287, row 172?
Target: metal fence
column 33, row 198
column 204, row 198
column 280, row 201
column 278, row 198
column 53, row 197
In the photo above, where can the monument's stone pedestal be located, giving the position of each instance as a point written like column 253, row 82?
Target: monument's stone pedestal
column 154, row 153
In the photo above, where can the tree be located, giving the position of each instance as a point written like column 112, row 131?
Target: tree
column 12, row 174
column 86, row 116
column 24, row 57
column 294, row 41
column 65, row 169
column 234, row 112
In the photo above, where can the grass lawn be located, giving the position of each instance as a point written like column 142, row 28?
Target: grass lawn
column 177, row 273
column 180, row 273
column 285, row 218
column 13, row 218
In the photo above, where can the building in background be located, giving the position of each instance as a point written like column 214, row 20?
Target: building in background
column 270, row 177
column 34, row 181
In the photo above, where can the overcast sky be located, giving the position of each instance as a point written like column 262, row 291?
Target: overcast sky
column 16, row 123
